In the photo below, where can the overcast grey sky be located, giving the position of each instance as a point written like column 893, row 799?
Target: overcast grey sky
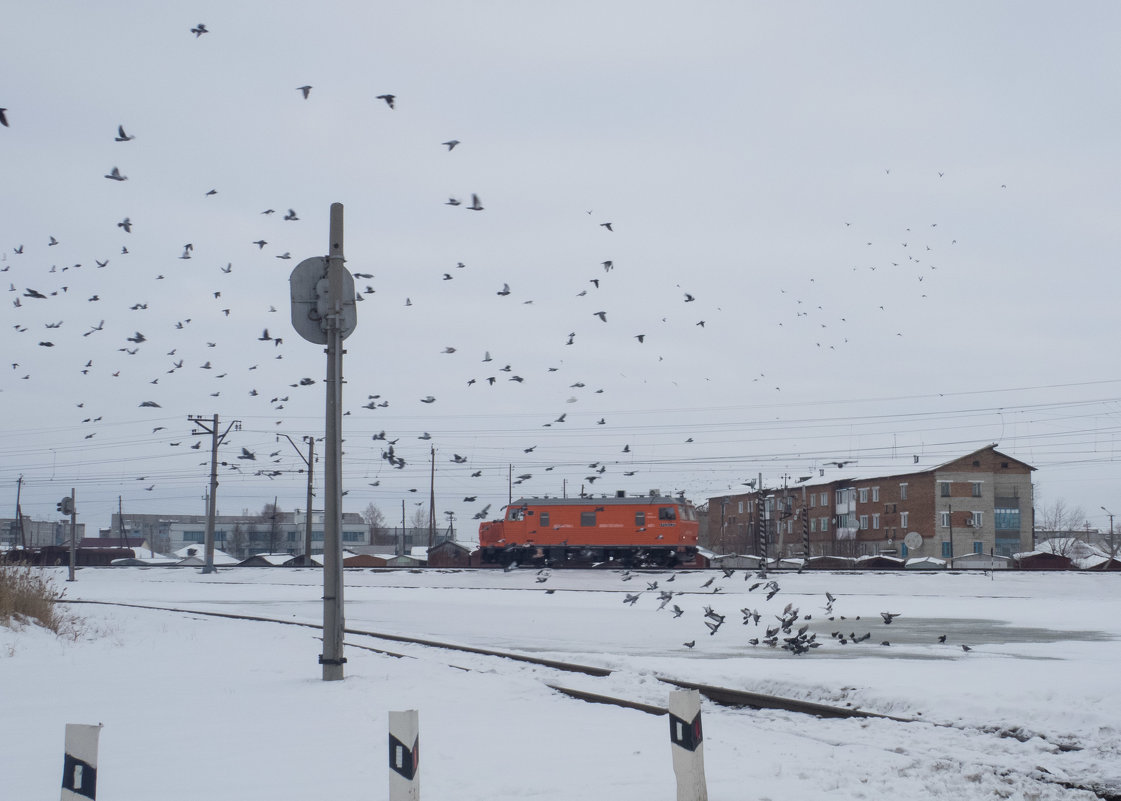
column 897, row 223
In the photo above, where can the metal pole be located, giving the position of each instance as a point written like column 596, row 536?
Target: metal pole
column 212, row 507
column 333, row 624
column 73, row 528
column 951, row 521
column 310, row 494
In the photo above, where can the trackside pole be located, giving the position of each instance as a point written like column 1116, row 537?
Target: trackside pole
column 404, row 756
column 79, row 767
column 687, row 745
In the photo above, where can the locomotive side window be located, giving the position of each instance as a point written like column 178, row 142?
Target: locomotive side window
column 587, row 518
column 544, row 518
column 640, row 519
column 667, row 513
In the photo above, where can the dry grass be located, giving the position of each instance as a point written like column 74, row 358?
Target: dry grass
column 27, row 596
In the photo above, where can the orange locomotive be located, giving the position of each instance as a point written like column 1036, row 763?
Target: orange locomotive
column 646, row 530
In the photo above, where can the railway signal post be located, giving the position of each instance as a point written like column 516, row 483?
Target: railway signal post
column 323, row 312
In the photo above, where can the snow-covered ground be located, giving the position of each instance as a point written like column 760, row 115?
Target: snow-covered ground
column 199, row 707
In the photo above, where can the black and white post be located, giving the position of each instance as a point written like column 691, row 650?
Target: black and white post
column 404, row 755
column 79, row 767
column 687, row 745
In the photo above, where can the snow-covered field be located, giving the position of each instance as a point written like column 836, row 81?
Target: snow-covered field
column 198, row 707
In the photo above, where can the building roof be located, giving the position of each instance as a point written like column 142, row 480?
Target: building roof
column 840, row 471
column 605, row 500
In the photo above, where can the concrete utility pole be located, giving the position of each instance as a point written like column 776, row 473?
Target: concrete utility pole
column 432, row 501
column 323, row 312
column 332, row 657
column 309, row 460
column 73, row 530
column 211, row 428
column 19, row 514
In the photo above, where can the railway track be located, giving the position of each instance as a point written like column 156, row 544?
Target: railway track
column 780, row 711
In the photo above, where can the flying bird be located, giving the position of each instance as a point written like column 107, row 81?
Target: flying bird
column 389, row 100
column 475, row 204
column 305, row 89
column 4, row 117
column 115, row 175
column 199, row 30
column 450, row 144
column 122, row 136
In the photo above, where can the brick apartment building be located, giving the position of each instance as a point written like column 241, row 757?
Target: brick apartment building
column 977, row 503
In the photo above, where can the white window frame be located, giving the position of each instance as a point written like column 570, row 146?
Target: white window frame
column 864, row 522
column 813, row 525
column 903, row 491
column 825, row 524
column 875, row 494
column 863, row 494
column 875, row 522
column 903, row 519
column 943, row 519
column 978, row 519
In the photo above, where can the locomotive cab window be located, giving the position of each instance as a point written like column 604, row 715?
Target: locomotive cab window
column 587, row 518
column 667, row 513
column 517, row 513
column 640, row 519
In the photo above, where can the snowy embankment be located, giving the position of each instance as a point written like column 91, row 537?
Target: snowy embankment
column 203, row 707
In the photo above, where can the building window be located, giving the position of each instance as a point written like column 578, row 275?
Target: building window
column 825, row 499
column 1006, row 519
column 825, row 524
column 193, row 536
column 944, row 519
column 977, row 520
column 976, row 489
column 902, row 492
column 840, row 494
column 875, row 522
column 903, row 519
column 640, row 517
column 947, row 551
column 875, row 494
column 812, row 496
column 977, row 546
column 863, row 522
column 813, row 524
column 944, row 488
column 740, row 509
column 864, row 495
column 587, row 518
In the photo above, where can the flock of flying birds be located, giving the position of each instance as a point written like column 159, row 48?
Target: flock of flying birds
column 171, row 355
column 790, row 629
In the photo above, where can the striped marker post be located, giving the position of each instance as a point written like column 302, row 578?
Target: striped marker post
column 404, row 756
column 687, row 745
column 79, row 767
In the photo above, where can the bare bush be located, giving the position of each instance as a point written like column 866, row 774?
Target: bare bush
column 27, row 596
